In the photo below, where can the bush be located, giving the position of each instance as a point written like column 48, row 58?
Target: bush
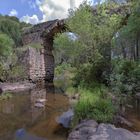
column 91, row 73
column 125, row 76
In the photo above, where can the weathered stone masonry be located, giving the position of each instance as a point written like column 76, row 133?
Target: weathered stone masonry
column 42, row 63
column 36, row 64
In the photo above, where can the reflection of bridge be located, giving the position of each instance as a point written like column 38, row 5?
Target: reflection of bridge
column 20, row 112
column 44, row 33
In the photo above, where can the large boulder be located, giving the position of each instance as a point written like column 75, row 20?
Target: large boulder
column 90, row 130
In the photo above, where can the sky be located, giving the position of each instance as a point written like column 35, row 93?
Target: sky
column 36, row 11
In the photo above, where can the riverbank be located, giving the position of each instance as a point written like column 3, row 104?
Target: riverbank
column 16, row 87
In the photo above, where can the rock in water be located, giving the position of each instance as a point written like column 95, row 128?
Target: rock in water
column 65, row 118
column 41, row 101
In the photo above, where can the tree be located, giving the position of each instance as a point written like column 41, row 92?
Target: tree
column 5, row 44
column 94, row 28
column 129, row 34
column 12, row 29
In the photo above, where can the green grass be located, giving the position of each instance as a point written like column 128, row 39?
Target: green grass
column 93, row 105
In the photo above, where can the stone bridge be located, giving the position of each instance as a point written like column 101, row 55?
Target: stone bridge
column 44, row 33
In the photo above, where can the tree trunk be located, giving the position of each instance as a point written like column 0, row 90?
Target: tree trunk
column 137, row 47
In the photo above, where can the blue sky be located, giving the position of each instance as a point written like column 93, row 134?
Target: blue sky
column 22, row 8
column 35, row 11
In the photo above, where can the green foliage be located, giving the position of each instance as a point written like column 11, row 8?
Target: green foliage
column 11, row 28
column 17, row 73
column 90, row 74
column 90, row 51
column 5, row 45
column 93, row 106
column 95, row 29
column 63, row 76
column 125, row 76
column 71, row 91
column 60, row 69
column 68, row 50
column 10, row 38
column 127, row 41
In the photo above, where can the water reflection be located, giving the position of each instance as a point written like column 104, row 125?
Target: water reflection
column 131, row 111
column 21, row 134
column 21, row 112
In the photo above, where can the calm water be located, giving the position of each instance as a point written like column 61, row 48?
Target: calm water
column 20, row 119
column 131, row 111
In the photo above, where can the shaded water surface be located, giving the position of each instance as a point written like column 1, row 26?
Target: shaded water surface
column 131, row 111
column 19, row 116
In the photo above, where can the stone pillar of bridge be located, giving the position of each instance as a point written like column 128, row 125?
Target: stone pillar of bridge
column 48, row 58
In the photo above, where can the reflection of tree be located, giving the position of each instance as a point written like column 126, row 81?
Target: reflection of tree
column 137, row 106
column 7, row 107
column 14, row 114
column 50, row 89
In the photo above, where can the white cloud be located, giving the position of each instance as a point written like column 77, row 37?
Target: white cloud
column 13, row 12
column 30, row 19
column 51, row 9
column 56, row 9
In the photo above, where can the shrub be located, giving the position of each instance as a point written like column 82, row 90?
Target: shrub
column 125, row 76
column 91, row 73
column 61, row 68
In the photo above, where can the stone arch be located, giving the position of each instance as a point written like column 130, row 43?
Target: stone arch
column 44, row 33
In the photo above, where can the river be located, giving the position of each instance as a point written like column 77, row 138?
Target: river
column 131, row 111
column 22, row 118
